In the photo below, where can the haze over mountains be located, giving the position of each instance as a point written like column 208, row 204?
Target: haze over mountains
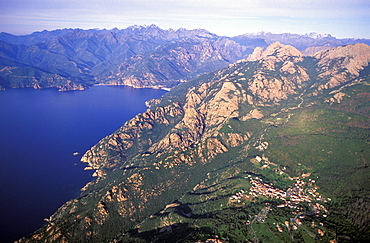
column 75, row 59
column 268, row 145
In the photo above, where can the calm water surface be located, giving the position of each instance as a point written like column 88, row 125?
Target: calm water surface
column 39, row 132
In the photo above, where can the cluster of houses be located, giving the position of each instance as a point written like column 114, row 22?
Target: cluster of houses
column 296, row 194
column 239, row 196
column 319, row 208
column 263, row 189
column 263, row 146
column 302, row 190
column 212, row 240
column 292, row 196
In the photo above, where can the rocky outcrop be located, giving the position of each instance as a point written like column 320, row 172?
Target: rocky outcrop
column 197, row 127
column 255, row 113
column 277, row 52
column 114, row 150
column 72, row 86
column 342, row 64
column 337, row 97
column 310, row 51
column 280, row 74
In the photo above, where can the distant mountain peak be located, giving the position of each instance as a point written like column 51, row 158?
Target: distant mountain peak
column 313, row 35
column 276, row 50
column 318, row 35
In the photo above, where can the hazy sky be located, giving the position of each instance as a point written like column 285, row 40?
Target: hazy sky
column 340, row 18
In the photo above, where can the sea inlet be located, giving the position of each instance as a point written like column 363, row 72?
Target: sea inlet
column 43, row 135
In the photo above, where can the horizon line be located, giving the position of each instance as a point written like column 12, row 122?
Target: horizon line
column 307, row 34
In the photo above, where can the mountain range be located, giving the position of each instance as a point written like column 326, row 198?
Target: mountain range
column 273, row 147
column 75, row 59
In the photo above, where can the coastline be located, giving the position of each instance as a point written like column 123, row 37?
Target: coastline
column 133, row 86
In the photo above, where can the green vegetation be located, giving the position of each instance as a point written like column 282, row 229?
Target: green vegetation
column 330, row 144
column 299, row 173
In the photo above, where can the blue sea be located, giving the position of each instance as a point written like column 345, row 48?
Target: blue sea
column 39, row 132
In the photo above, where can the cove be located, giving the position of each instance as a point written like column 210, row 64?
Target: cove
column 40, row 130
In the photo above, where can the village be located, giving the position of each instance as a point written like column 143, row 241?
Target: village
column 303, row 190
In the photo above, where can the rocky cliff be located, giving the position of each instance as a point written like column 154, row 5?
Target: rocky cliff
column 171, row 172
column 342, row 63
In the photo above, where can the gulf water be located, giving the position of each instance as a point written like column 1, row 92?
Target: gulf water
column 40, row 130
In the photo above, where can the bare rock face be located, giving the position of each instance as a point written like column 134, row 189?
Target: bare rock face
column 162, row 152
column 113, row 150
column 234, row 139
column 276, row 52
column 278, row 73
column 269, row 87
column 341, row 64
column 255, row 113
column 256, row 55
column 223, row 106
column 310, row 51
column 337, row 98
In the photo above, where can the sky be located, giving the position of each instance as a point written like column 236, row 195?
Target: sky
column 340, row 18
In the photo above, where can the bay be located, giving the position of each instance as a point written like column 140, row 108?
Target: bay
column 39, row 132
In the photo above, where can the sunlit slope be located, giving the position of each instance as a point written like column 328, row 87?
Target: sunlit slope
column 273, row 148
